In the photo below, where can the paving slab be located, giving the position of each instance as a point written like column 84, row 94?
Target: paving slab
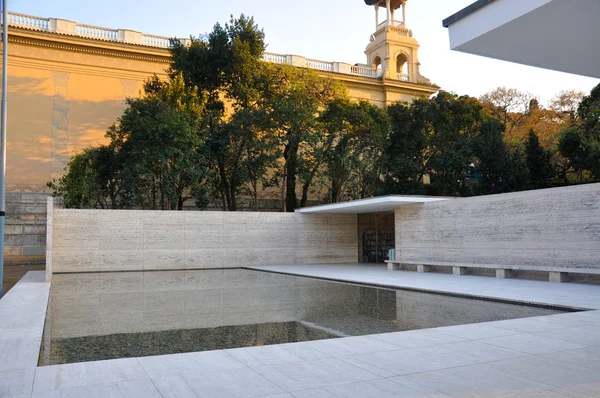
column 22, row 315
column 380, row 388
column 231, row 383
column 314, row 374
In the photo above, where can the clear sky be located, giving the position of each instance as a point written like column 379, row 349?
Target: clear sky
column 332, row 30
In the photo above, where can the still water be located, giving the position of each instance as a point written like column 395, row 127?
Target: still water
column 129, row 314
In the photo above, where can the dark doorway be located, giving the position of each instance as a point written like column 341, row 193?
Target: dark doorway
column 375, row 236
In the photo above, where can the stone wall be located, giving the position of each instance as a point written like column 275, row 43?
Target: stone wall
column 549, row 227
column 25, row 227
column 133, row 240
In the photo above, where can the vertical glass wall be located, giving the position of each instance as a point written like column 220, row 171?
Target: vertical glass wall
column 375, row 237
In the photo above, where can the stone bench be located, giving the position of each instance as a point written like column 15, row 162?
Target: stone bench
column 555, row 274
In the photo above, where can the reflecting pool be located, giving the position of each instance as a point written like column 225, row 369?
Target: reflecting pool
column 131, row 314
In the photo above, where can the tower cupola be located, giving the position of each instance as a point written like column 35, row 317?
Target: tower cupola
column 393, row 50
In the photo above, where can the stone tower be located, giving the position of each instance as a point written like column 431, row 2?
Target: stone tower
column 392, row 49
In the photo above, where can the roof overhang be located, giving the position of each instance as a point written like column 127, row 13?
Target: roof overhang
column 560, row 35
column 372, row 205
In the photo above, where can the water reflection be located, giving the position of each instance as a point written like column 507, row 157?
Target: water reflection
column 128, row 314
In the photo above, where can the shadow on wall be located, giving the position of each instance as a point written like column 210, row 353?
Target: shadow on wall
column 31, row 126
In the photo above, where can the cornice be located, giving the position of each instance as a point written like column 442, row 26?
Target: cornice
column 134, row 52
column 88, row 46
column 84, row 69
column 386, row 84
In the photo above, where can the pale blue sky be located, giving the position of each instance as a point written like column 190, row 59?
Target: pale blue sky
column 308, row 27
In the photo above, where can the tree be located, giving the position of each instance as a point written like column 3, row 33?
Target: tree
column 539, row 163
column 521, row 112
column 501, row 170
column 448, row 123
column 295, row 99
column 580, row 144
column 160, row 148
column 155, row 157
column 510, row 106
column 402, row 159
column 79, row 186
column 226, row 63
column 565, row 104
column 357, row 133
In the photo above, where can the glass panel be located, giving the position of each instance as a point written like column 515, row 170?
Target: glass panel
column 375, row 237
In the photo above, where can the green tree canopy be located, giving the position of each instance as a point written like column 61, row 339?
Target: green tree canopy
column 580, row 143
column 356, row 136
column 539, row 163
column 226, row 63
column 402, row 159
column 81, row 186
column 501, row 169
column 448, row 122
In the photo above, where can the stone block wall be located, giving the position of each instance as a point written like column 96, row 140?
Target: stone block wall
column 25, row 227
column 133, row 240
column 548, row 227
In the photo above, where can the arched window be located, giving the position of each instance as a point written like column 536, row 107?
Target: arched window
column 377, row 63
column 402, row 67
column 378, row 66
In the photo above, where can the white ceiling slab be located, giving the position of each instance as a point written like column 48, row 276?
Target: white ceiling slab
column 562, row 35
column 372, row 205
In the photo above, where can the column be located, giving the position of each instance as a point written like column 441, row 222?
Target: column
column 387, row 11
column 376, row 18
column 404, row 14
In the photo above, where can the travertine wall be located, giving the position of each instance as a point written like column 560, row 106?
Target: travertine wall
column 549, row 227
column 132, row 240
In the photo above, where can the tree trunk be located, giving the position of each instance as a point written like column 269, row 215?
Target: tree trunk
column 223, row 201
column 180, row 203
column 334, row 191
column 153, row 196
column 283, row 191
column 254, row 193
column 304, row 198
column 224, row 184
column 233, row 181
column 306, row 187
column 162, row 195
column 232, row 197
column 283, row 178
column 291, row 199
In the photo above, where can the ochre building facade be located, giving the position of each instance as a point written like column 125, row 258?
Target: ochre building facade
column 68, row 82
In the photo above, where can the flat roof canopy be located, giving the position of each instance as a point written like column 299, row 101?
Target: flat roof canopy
column 560, row 35
column 372, row 205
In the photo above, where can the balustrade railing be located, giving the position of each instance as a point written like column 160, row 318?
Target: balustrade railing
column 403, row 77
column 363, row 71
column 156, row 41
column 320, row 65
column 28, row 21
column 392, row 23
column 275, row 58
column 127, row 36
column 97, row 32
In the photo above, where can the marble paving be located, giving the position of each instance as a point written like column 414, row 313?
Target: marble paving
column 549, row 356
column 22, row 314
